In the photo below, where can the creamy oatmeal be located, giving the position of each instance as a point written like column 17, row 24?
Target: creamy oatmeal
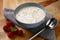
column 30, row 15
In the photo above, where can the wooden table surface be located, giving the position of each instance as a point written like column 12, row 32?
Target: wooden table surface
column 52, row 6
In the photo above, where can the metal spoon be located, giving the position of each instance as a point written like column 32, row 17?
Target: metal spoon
column 50, row 25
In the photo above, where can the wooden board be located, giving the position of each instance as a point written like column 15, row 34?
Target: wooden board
column 53, row 8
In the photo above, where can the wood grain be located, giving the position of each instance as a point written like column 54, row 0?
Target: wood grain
column 50, row 6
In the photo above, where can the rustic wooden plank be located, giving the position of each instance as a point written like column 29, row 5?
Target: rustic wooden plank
column 12, row 4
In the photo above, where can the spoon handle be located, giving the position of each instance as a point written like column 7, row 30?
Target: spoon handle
column 36, row 34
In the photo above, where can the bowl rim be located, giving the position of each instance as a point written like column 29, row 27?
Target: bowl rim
column 28, row 5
